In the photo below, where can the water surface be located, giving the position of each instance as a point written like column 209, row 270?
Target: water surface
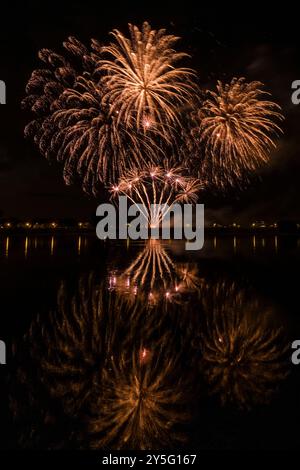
column 142, row 345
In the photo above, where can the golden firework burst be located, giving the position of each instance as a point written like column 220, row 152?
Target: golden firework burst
column 233, row 132
column 144, row 85
column 73, row 125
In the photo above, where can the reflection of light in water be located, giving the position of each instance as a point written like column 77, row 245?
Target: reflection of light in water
column 112, row 365
column 153, row 260
column 144, row 355
column 79, row 245
column 52, row 246
column 242, row 351
column 35, row 242
column 26, row 247
column 141, row 407
column 254, row 242
column 234, row 244
column 7, row 247
column 155, row 275
column 215, row 242
column 263, row 242
column 276, row 243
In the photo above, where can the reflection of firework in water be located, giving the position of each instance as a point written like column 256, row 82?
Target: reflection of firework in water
column 139, row 404
column 142, row 82
column 237, row 127
column 155, row 275
column 80, row 337
column 73, row 124
column 112, row 367
column 243, row 352
column 157, row 188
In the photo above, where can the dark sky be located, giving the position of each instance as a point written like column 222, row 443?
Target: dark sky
column 225, row 41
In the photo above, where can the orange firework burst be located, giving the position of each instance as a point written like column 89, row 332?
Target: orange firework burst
column 157, row 188
column 74, row 125
column 143, row 84
column 236, row 127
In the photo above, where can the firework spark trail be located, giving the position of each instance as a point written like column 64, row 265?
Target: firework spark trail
column 155, row 188
column 243, row 351
column 237, row 127
column 143, row 84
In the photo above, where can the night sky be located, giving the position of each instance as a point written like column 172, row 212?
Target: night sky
column 224, row 42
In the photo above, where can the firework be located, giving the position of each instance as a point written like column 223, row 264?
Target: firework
column 73, row 124
column 157, row 187
column 139, row 404
column 242, row 349
column 154, row 275
column 144, row 85
column 82, row 327
column 111, row 366
column 233, row 132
